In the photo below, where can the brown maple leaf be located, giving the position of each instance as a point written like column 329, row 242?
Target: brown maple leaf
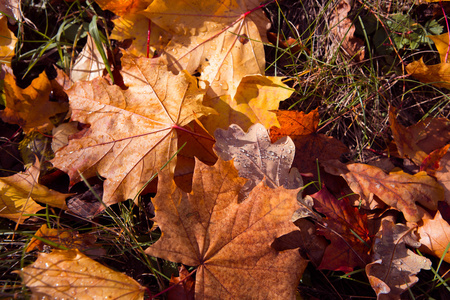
column 133, row 132
column 347, row 230
column 228, row 241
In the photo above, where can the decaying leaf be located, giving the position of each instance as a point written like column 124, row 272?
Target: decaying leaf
column 228, row 241
column 435, row 236
column 30, row 107
column 89, row 63
column 185, row 286
column 256, row 158
column 343, row 30
column 309, row 145
column 438, row 74
column 406, row 145
column 19, row 193
column 394, row 267
column 7, row 41
column 67, row 238
column 397, row 189
column 69, row 274
column 431, row 133
column 132, row 132
column 347, row 230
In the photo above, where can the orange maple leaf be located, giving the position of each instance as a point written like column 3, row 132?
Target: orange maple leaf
column 228, row 241
column 133, row 132
column 30, row 107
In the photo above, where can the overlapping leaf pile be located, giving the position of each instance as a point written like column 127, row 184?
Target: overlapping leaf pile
column 227, row 202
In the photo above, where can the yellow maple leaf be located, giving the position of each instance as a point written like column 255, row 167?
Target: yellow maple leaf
column 7, row 42
column 19, row 193
column 69, row 274
column 438, row 74
column 30, row 107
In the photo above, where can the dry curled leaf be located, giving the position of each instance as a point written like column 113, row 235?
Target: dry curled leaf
column 347, row 230
column 30, row 107
column 89, row 63
column 397, row 189
column 394, row 267
column 228, row 241
column 69, row 274
column 133, row 132
column 19, row 193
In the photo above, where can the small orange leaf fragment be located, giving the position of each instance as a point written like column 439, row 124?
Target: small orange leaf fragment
column 7, row 42
column 65, row 274
column 435, row 236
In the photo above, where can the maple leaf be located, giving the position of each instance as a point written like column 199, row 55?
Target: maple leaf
column 406, row 145
column 255, row 98
column 89, row 63
column 346, row 228
column 7, row 42
column 69, row 274
column 438, row 74
column 222, row 41
column 227, row 240
column 256, row 158
column 19, row 193
column 310, row 145
column 434, row 236
column 397, row 189
column 394, row 266
column 133, row 132
column 30, row 107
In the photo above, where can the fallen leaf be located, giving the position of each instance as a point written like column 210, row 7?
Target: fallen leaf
column 185, row 286
column 310, row 244
column 221, row 41
column 89, row 63
column 7, row 42
column 309, row 145
column 19, row 193
column 397, row 189
column 11, row 8
column 406, row 145
column 431, row 163
column 63, row 237
column 435, row 236
column 123, row 7
column 256, row 158
column 443, row 175
column 431, row 133
column 30, row 107
column 69, row 274
column 347, row 230
column 294, row 123
column 438, row 74
column 61, row 134
column 343, row 31
column 394, row 267
column 227, row 240
column 256, row 97
column 133, row 132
